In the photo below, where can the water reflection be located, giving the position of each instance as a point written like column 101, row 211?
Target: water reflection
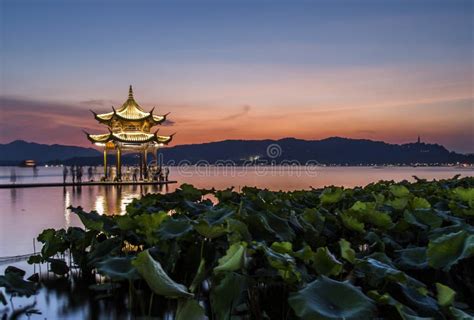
column 67, row 212
column 24, row 213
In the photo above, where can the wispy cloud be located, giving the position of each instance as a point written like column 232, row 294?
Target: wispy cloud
column 245, row 110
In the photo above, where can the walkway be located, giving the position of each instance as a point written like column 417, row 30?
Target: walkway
column 88, row 183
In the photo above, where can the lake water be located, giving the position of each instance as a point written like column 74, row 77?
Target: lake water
column 25, row 212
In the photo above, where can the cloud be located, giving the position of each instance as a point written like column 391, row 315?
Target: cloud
column 245, row 110
column 97, row 103
column 168, row 123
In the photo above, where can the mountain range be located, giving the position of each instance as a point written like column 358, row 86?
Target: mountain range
column 334, row 150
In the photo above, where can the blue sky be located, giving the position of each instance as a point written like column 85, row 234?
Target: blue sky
column 350, row 68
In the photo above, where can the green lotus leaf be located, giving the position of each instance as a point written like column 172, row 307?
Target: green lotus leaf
column 190, row 309
column 16, row 270
column 282, row 247
column 53, row 242
column 237, row 230
column 377, row 272
column 156, row 278
column 15, row 285
column 174, row 228
column 379, row 198
column 428, row 218
column 446, row 250
column 126, row 222
column 101, row 250
column 210, row 231
column 399, row 191
column 3, row 300
column 217, row 216
column 347, row 252
column 148, row 224
column 233, row 260
column 118, row 268
column 326, row 263
column 306, row 254
column 367, row 212
column 331, row 195
column 58, row 266
column 360, row 206
column 420, row 203
column 226, row 294
column 424, row 305
column 284, row 263
column 464, row 194
column 199, row 277
column 352, row 223
column 444, row 294
column 325, row 298
column 94, row 221
column 457, row 314
column 190, row 193
column 277, row 226
column 398, row 203
column 412, row 258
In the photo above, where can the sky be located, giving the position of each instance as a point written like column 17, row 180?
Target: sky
column 238, row 69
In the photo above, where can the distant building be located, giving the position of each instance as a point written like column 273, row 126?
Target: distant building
column 129, row 131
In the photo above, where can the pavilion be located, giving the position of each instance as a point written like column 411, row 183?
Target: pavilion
column 129, row 131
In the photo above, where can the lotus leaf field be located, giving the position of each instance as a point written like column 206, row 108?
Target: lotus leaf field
column 386, row 251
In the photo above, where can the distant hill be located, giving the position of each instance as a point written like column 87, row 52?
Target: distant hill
column 14, row 152
column 335, row 150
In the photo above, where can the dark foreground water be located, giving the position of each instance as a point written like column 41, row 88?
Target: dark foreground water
column 26, row 212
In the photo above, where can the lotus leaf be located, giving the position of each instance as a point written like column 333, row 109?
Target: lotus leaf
column 325, row 263
column 118, row 268
column 234, row 258
column 445, row 294
column 446, row 250
column 190, row 309
column 157, row 279
column 325, row 298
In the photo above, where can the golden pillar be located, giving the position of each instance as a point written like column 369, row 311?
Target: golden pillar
column 145, row 164
column 119, row 164
column 105, row 163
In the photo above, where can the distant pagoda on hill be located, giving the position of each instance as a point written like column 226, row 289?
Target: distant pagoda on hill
column 129, row 131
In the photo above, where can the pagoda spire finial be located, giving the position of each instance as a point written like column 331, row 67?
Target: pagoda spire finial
column 130, row 92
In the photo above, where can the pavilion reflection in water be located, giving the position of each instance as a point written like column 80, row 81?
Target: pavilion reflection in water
column 130, row 131
column 107, row 200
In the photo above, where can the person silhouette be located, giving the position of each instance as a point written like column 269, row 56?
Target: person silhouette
column 90, row 174
column 65, row 172
column 79, row 174
column 73, row 174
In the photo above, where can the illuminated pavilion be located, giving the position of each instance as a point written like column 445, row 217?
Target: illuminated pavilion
column 129, row 131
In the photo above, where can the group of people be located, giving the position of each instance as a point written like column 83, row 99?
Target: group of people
column 155, row 173
column 76, row 173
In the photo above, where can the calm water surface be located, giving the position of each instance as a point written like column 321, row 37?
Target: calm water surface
column 26, row 212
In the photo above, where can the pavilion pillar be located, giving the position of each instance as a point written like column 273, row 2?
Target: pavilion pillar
column 145, row 163
column 119, row 164
column 141, row 166
column 105, row 164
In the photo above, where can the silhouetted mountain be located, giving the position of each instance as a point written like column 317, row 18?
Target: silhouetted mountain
column 19, row 150
column 335, row 150
column 332, row 150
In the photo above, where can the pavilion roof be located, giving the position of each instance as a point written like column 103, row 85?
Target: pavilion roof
column 130, row 111
column 129, row 137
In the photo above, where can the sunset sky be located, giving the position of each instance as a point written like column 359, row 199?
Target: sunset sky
column 238, row 69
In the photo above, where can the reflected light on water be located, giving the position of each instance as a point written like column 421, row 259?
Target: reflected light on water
column 67, row 212
column 99, row 204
